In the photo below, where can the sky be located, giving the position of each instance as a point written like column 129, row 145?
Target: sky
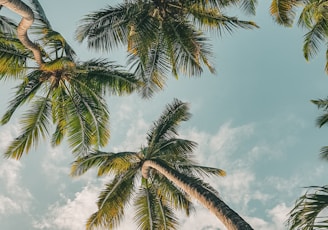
column 253, row 118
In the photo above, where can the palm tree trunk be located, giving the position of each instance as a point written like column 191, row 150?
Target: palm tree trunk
column 27, row 15
column 229, row 218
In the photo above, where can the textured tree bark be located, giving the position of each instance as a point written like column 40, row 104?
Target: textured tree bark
column 211, row 201
column 27, row 15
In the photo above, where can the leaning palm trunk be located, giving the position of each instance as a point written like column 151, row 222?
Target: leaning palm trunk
column 27, row 15
column 224, row 213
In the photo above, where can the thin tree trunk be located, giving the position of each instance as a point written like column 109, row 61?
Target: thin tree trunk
column 224, row 213
column 27, row 15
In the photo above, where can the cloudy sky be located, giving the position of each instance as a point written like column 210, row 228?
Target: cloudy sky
column 253, row 118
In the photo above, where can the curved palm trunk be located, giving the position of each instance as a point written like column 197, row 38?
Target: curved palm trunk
column 27, row 15
column 229, row 218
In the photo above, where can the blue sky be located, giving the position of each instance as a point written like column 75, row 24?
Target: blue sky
column 253, row 118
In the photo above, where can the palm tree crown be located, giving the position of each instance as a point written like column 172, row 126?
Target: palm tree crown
column 162, row 37
column 62, row 90
column 146, row 177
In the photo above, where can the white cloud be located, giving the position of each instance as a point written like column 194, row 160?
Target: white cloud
column 201, row 219
column 8, row 206
column 56, row 163
column 277, row 217
column 15, row 198
column 71, row 215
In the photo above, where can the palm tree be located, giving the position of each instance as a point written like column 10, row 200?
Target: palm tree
column 168, row 173
column 313, row 18
column 309, row 211
column 62, row 90
column 162, row 37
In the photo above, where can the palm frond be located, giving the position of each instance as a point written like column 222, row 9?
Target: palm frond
column 321, row 103
column 169, row 121
column 13, row 56
column 306, row 213
column 7, row 25
column 249, row 6
column 79, row 131
column 189, row 45
column 314, row 38
column 106, row 28
column 34, row 125
column 105, row 162
column 322, row 120
column 324, row 153
column 307, row 17
column 212, row 18
column 284, row 11
column 174, row 150
column 39, row 12
column 106, row 77
column 57, row 44
column 152, row 67
column 145, row 203
column 95, row 112
column 199, row 170
column 112, row 201
column 24, row 93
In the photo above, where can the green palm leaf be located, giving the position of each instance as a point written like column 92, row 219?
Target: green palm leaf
column 24, row 93
column 145, row 203
column 212, row 18
column 95, row 112
column 166, row 125
column 321, row 104
column 59, row 115
column 284, row 11
column 112, row 201
column 79, row 131
column 13, row 56
column 152, row 212
column 314, row 37
column 324, row 153
column 153, row 70
column 306, row 213
column 34, row 123
column 105, row 28
column 7, row 25
column 190, row 47
column 202, row 170
column 105, row 162
column 107, row 78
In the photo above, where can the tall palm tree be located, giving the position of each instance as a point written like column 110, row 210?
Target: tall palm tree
column 168, row 174
column 310, row 210
column 62, row 90
column 313, row 18
column 162, row 37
